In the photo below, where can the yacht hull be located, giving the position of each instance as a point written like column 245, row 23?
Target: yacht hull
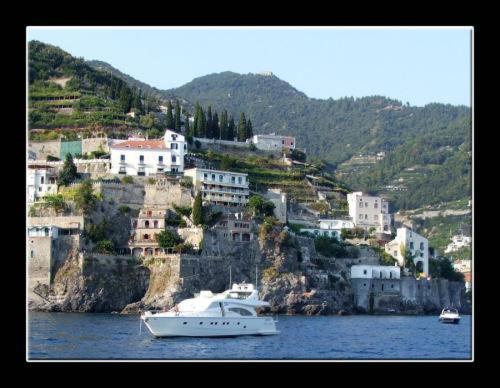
column 450, row 320
column 209, row 326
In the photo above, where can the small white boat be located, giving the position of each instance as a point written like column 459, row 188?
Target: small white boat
column 231, row 313
column 449, row 315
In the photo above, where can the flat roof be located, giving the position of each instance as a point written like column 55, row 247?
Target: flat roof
column 215, row 171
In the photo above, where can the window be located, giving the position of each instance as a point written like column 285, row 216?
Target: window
column 421, row 246
column 375, row 205
column 213, row 177
column 240, row 180
column 233, row 179
column 141, row 158
column 221, row 178
column 174, row 158
column 160, row 159
column 42, row 180
column 411, row 245
column 122, row 158
column 361, row 204
column 205, row 176
column 32, row 254
column 185, row 147
column 364, row 272
column 366, row 204
column 375, row 217
column 366, row 216
column 174, row 146
column 421, row 254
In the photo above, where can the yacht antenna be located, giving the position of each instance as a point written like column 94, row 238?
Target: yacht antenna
column 230, row 284
column 256, row 284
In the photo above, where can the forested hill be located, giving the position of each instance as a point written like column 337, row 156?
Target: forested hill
column 427, row 148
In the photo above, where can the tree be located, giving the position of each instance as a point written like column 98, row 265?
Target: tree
column 105, row 246
column 208, row 132
column 231, row 129
column 177, row 124
column 68, row 173
column 196, row 119
column 260, row 206
column 215, row 126
column 249, row 130
column 85, row 199
column 201, row 129
column 148, row 121
column 187, row 129
column 223, row 126
column 167, row 239
column 198, row 210
column 408, row 258
column 169, row 120
column 242, row 128
column 56, row 202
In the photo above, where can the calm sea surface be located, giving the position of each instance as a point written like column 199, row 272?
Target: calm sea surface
column 112, row 336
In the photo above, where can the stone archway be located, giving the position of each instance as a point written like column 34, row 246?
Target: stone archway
column 419, row 265
column 136, row 252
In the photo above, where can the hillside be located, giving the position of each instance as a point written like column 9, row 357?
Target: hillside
column 436, row 138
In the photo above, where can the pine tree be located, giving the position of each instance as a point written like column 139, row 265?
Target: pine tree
column 231, row 129
column 208, row 132
column 223, row 126
column 215, row 126
column 68, row 173
column 242, row 128
column 249, row 129
column 177, row 123
column 198, row 210
column 169, row 119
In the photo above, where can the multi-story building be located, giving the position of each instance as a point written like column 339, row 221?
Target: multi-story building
column 146, row 226
column 273, row 142
column 458, row 241
column 416, row 244
column 235, row 227
column 220, row 187
column 369, row 211
column 148, row 157
column 41, row 180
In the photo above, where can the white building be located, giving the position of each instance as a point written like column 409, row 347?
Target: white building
column 148, row 157
column 43, row 231
column 415, row 243
column 220, row 187
column 375, row 272
column 273, row 142
column 332, row 224
column 40, row 182
column 462, row 265
column 368, row 211
column 458, row 241
column 323, row 232
column 279, row 199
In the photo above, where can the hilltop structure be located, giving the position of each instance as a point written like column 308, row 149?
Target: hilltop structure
column 148, row 157
column 273, row 142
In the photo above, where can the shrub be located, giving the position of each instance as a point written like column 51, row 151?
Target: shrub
column 127, row 179
column 105, row 246
column 197, row 144
column 198, row 210
column 186, row 182
column 151, row 181
column 56, row 202
column 124, row 209
column 260, row 206
column 51, row 158
column 184, row 210
column 85, row 199
column 252, row 147
column 330, row 247
column 68, row 173
column 168, row 239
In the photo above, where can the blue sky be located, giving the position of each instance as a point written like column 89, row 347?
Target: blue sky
column 418, row 65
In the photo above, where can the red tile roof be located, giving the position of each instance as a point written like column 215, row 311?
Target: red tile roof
column 141, row 144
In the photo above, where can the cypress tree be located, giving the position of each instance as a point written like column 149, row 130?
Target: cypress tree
column 187, row 129
column 242, row 128
column 249, row 129
column 68, row 173
column 196, row 119
column 208, row 132
column 198, row 210
column 177, row 122
column 231, row 129
column 169, row 119
column 202, row 123
column 215, row 126
column 223, row 126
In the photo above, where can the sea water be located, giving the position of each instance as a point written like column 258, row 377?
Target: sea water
column 76, row 336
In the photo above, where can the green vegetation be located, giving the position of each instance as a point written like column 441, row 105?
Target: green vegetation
column 124, row 209
column 184, row 210
column 127, row 180
column 56, row 202
column 198, row 210
column 105, row 246
column 330, row 247
column 68, row 173
column 443, row 268
column 85, row 199
column 167, row 239
column 260, row 206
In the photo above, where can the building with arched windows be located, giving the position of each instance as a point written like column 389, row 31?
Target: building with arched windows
column 416, row 244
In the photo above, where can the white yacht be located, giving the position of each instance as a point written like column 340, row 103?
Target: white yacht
column 230, row 313
column 449, row 315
